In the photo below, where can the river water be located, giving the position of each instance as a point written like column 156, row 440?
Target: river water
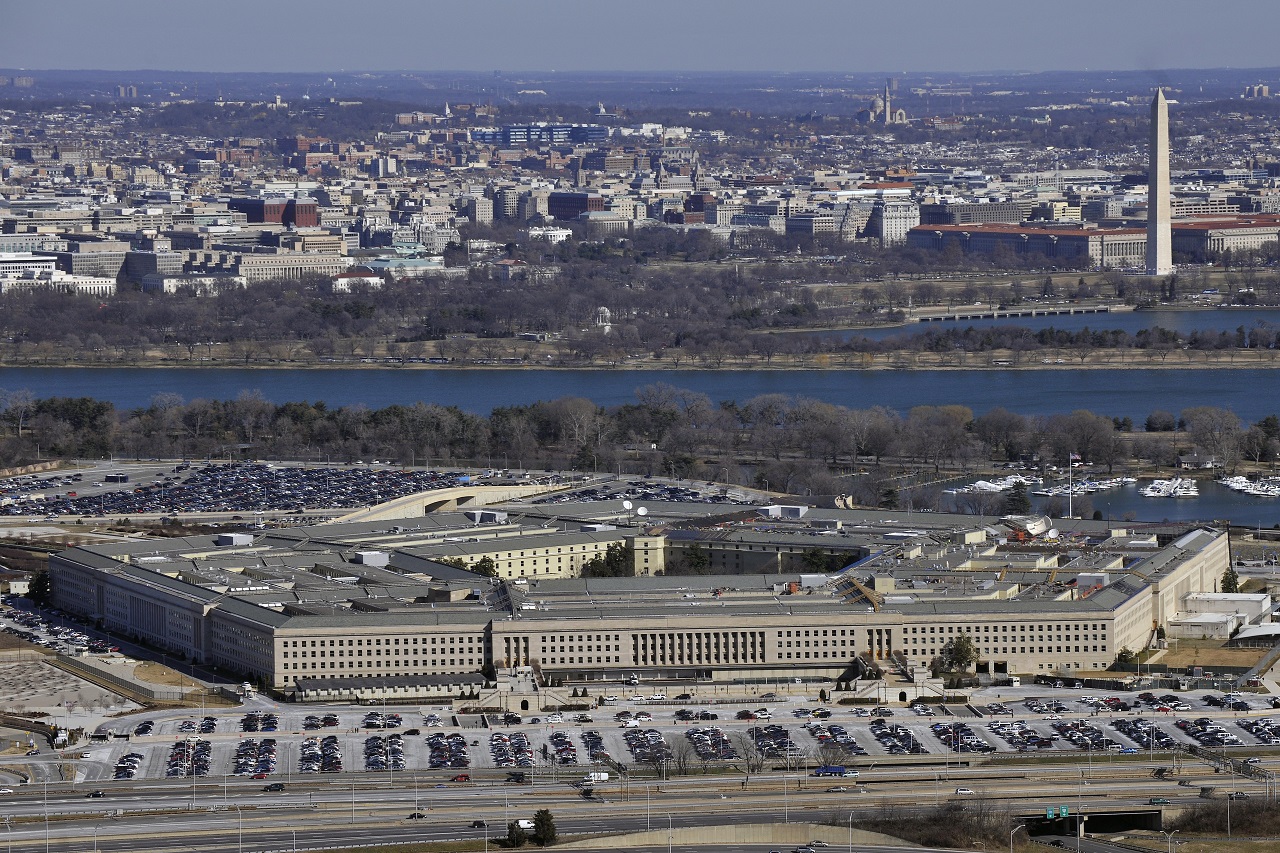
column 1250, row 393
column 1214, row 503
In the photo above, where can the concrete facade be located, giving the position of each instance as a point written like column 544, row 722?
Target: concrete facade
column 375, row 603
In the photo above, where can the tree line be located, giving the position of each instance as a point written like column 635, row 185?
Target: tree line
column 778, row 442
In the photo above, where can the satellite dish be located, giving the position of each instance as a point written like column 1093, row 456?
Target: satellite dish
column 642, row 511
column 627, row 505
column 1052, row 534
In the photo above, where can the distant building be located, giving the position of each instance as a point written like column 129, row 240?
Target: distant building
column 891, row 219
column 283, row 211
column 968, row 213
column 1206, row 239
column 196, row 285
column 571, row 205
column 355, row 279
column 17, row 263
column 1114, row 248
column 540, row 133
column 57, row 280
column 812, row 224
column 478, row 209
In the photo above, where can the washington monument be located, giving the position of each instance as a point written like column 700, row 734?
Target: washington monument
column 1159, row 208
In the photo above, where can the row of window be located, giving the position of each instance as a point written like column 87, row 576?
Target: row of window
column 359, row 664
column 391, row 641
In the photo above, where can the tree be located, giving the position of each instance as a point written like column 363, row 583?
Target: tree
column 40, row 589
column 485, row 566
column 695, row 561
column 815, row 560
column 1126, row 656
column 959, row 653
column 1218, row 431
column 516, row 837
column 618, row 561
column 544, row 827
column 1017, row 502
column 1230, row 581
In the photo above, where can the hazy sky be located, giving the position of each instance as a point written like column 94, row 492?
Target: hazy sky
column 665, row 35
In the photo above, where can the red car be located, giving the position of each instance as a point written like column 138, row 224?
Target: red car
column 461, row 777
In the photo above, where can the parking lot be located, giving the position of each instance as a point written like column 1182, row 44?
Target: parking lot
column 249, row 487
column 658, row 491
column 288, row 741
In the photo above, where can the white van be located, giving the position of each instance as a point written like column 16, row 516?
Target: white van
column 525, row 824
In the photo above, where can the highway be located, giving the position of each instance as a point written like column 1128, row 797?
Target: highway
column 326, row 813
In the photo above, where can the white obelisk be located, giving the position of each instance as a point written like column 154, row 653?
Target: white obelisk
column 1159, row 207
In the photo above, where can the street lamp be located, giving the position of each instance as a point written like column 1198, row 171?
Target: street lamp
column 669, row 832
column 1169, row 838
column 239, row 829
column 850, row 832
column 1014, row 832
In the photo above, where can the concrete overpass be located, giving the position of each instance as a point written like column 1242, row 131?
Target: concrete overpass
column 445, row 500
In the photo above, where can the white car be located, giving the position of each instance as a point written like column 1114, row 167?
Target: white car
column 611, row 698
column 6, row 790
column 555, row 718
column 657, row 697
column 965, row 792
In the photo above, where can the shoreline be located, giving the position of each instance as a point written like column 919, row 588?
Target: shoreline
column 1057, row 365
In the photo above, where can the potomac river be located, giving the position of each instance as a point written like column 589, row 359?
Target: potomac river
column 1135, row 393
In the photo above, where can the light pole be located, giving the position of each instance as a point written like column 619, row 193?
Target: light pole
column 850, row 832
column 95, row 838
column 1169, row 838
column 785, row 812
column 294, row 833
column 1014, row 832
column 239, row 829
column 668, row 832
column 646, row 807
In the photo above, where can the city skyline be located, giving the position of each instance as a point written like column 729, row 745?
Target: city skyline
column 573, row 35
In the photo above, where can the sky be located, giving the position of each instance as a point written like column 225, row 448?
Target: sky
column 900, row 36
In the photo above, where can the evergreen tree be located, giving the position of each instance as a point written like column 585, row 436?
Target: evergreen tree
column 544, row 827
column 1230, row 580
column 618, row 561
column 959, row 653
column 516, row 837
column 1017, row 502
column 40, row 589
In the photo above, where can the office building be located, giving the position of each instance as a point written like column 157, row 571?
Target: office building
column 370, row 604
